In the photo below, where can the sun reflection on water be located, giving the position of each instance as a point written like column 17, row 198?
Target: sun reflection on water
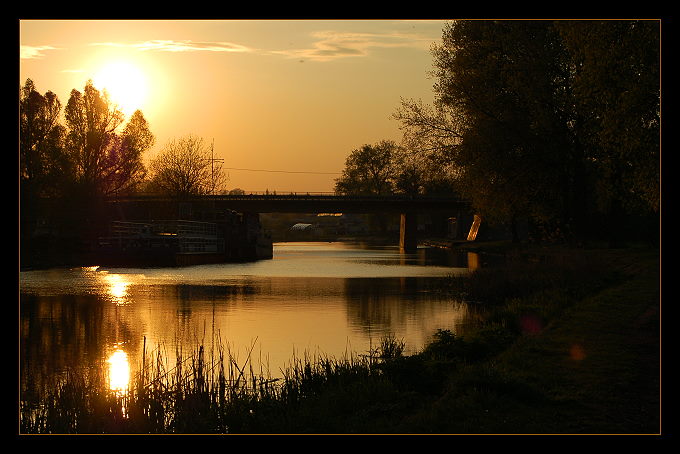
column 118, row 288
column 119, row 370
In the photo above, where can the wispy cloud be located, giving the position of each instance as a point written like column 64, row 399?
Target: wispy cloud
column 30, row 52
column 168, row 45
column 331, row 45
column 326, row 45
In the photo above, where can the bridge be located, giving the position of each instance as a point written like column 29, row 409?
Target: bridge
column 150, row 207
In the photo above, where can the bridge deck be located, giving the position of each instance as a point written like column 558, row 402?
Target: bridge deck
column 308, row 203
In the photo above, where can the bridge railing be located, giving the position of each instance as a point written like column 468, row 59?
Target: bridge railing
column 274, row 195
column 280, row 193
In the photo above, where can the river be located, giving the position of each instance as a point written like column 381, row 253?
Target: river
column 312, row 299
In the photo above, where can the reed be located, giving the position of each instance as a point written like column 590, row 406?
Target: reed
column 202, row 391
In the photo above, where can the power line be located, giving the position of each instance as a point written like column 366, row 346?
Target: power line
column 283, row 171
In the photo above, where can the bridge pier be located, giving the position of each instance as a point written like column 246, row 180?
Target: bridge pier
column 408, row 228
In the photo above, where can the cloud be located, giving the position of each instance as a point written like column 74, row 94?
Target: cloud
column 31, row 52
column 331, row 45
column 168, row 45
column 326, row 45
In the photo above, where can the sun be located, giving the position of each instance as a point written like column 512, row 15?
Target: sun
column 125, row 83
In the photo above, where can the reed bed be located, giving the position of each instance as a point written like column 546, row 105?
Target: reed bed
column 207, row 390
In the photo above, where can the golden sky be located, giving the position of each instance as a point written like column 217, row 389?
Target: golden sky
column 284, row 96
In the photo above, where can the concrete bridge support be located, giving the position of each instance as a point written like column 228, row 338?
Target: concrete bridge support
column 408, row 229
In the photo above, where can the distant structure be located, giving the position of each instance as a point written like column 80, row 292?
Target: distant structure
column 204, row 208
column 237, row 237
column 302, row 227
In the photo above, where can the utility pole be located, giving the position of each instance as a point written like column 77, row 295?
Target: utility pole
column 212, row 166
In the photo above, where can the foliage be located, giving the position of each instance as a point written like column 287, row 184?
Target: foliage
column 388, row 168
column 89, row 154
column 43, row 164
column 552, row 120
column 105, row 162
column 185, row 167
column 368, row 170
column 615, row 78
column 512, row 145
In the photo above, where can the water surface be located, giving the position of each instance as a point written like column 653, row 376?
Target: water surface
column 330, row 299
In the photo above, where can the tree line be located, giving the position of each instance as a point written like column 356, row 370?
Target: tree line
column 553, row 121
column 95, row 151
column 557, row 122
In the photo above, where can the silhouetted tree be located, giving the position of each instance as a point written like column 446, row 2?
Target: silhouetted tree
column 124, row 170
column 368, row 170
column 388, row 168
column 614, row 72
column 530, row 118
column 105, row 161
column 409, row 169
column 185, row 167
column 44, row 169
column 504, row 77
column 43, row 164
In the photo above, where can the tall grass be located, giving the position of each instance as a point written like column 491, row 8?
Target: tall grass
column 204, row 391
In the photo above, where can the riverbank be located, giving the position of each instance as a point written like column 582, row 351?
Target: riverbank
column 569, row 343
column 593, row 368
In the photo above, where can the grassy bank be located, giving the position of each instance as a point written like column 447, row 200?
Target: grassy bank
column 587, row 360
column 569, row 343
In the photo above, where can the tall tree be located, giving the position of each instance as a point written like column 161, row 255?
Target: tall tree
column 532, row 117
column 106, row 162
column 42, row 162
column 502, row 77
column 616, row 84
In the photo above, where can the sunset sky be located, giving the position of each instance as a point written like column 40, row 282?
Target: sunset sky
column 281, row 96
